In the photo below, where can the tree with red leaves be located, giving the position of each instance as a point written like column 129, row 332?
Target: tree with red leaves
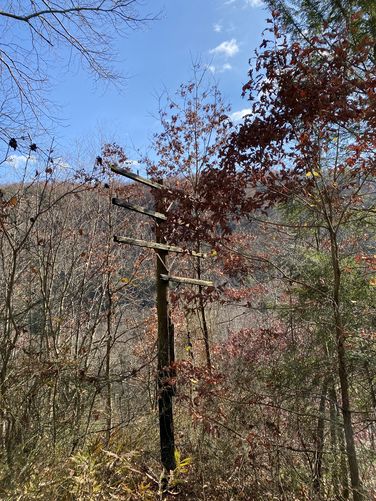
column 311, row 138
column 194, row 128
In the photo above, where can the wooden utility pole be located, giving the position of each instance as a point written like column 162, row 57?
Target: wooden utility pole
column 166, row 355
column 166, row 352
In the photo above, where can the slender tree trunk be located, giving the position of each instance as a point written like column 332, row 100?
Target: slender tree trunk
column 54, row 393
column 343, row 465
column 373, row 400
column 108, row 365
column 320, row 441
column 343, row 372
column 205, row 329
column 333, row 437
column 109, row 329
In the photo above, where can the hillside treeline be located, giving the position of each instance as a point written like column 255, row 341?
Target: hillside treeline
column 78, row 351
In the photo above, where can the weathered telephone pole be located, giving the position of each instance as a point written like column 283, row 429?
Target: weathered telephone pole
column 165, row 344
column 166, row 352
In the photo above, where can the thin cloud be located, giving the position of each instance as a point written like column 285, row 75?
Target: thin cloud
column 24, row 162
column 61, row 164
column 19, row 161
column 238, row 116
column 228, row 48
column 255, row 3
column 246, row 3
column 217, row 27
column 226, row 67
column 219, row 69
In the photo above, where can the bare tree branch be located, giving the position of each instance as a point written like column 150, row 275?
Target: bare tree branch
column 32, row 34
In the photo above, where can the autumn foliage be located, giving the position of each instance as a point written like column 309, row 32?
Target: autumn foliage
column 275, row 364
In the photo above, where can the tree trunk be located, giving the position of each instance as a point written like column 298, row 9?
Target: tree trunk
column 373, row 400
column 320, row 441
column 108, row 366
column 205, row 330
column 343, row 371
column 333, row 437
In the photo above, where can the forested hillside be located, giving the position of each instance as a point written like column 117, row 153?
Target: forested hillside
column 254, row 241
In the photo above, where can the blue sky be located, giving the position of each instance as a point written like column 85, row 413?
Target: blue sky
column 220, row 33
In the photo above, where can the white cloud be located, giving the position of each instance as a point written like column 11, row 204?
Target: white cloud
column 255, row 3
column 246, row 3
column 237, row 116
column 219, row 69
column 228, row 48
column 19, row 161
column 61, row 163
column 22, row 162
column 217, row 27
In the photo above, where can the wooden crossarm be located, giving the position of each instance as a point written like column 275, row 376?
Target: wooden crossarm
column 135, row 177
column 157, row 246
column 120, row 202
column 183, row 280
